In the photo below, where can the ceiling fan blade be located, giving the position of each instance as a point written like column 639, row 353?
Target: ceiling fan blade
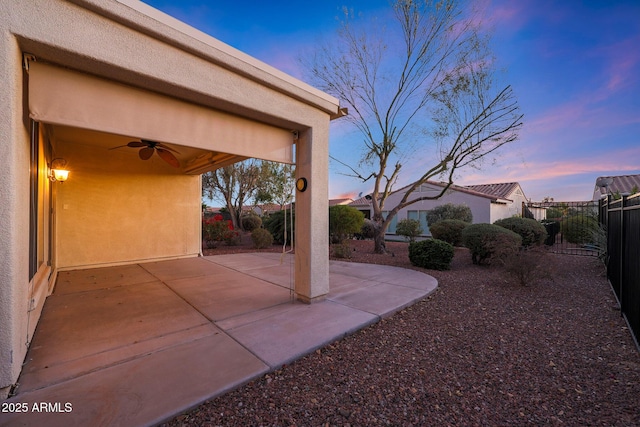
column 164, row 147
column 168, row 157
column 119, row 146
column 145, row 153
column 137, row 144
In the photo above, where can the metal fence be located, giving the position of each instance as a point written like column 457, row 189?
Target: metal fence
column 572, row 227
column 621, row 219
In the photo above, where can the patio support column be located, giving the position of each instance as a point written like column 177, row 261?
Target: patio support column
column 312, row 215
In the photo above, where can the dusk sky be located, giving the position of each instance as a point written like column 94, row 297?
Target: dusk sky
column 574, row 66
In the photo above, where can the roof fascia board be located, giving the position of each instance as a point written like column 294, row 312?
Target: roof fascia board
column 172, row 31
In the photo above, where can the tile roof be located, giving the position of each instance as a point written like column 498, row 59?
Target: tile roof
column 344, row 201
column 620, row 184
column 500, row 190
column 362, row 201
column 489, row 191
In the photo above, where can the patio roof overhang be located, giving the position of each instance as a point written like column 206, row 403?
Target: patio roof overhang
column 76, row 100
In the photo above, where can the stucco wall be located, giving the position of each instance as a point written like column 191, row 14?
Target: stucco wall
column 480, row 206
column 14, row 212
column 117, row 208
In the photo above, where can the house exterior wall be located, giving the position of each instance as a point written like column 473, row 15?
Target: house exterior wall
column 131, row 43
column 116, row 208
column 480, row 206
column 14, row 213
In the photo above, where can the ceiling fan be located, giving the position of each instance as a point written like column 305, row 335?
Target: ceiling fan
column 148, row 147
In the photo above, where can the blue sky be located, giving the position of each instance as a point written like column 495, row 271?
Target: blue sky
column 574, row 66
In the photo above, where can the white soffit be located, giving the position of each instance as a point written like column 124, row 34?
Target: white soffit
column 64, row 97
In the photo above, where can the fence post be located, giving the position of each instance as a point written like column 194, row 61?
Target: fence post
column 623, row 204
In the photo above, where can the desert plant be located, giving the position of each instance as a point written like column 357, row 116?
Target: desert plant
column 525, row 264
column 231, row 237
column 409, row 229
column 261, row 238
column 341, row 250
column 532, row 232
column 579, row 229
column 433, row 254
column 251, row 222
column 275, row 224
column 344, row 221
column 367, row 231
column 449, row 230
column 488, row 240
column 449, row 211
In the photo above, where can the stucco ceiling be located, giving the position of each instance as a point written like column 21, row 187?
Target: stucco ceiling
column 192, row 160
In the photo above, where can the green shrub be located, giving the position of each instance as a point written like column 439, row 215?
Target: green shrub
column 449, row 230
column 261, row 238
column 409, row 228
column 433, row 254
column 532, row 232
column 275, row 224
column 251, row 222
column 449, row 211
column 488, row 240
column 579, row 229
column 344, row 221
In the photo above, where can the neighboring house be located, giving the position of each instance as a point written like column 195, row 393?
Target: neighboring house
column 264, row 209
column 363, row 204
column 343, row 201
column 488, row 202
column 81, row 80
column 616, row 185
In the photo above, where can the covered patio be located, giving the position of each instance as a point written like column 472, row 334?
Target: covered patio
column 137, row 344
column 103, row 148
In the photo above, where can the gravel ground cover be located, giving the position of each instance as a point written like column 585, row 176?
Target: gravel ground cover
column 482, row 350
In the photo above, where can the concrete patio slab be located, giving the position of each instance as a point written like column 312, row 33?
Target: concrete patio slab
column 110, row 323
column 296, row 330
column 136, row 345
column 146, row 390
column 382, row 299
column 181, row 268
column 227, row 295
column 101, row 278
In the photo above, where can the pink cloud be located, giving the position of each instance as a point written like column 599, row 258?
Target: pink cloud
column 622, row 67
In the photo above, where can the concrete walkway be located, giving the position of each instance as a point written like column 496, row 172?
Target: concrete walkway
column 135, row 345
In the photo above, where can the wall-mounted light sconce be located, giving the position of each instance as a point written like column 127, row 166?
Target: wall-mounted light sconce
column 58, row 170
column 301, row 184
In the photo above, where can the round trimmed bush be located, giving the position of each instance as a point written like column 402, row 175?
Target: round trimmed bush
column 449, row 230
column 432, row 254
column 261, row 238
column 531, row 231
column 275, row 224
column 251, row 222
column 409, row 228
column 449, row 211
column 489, row 240
column 344, row 221
column 579, row 229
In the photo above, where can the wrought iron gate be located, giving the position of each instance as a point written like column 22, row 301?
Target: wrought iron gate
column 572, row 227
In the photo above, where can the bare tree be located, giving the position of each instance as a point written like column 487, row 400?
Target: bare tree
column 233, row 185
column 418, row 86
